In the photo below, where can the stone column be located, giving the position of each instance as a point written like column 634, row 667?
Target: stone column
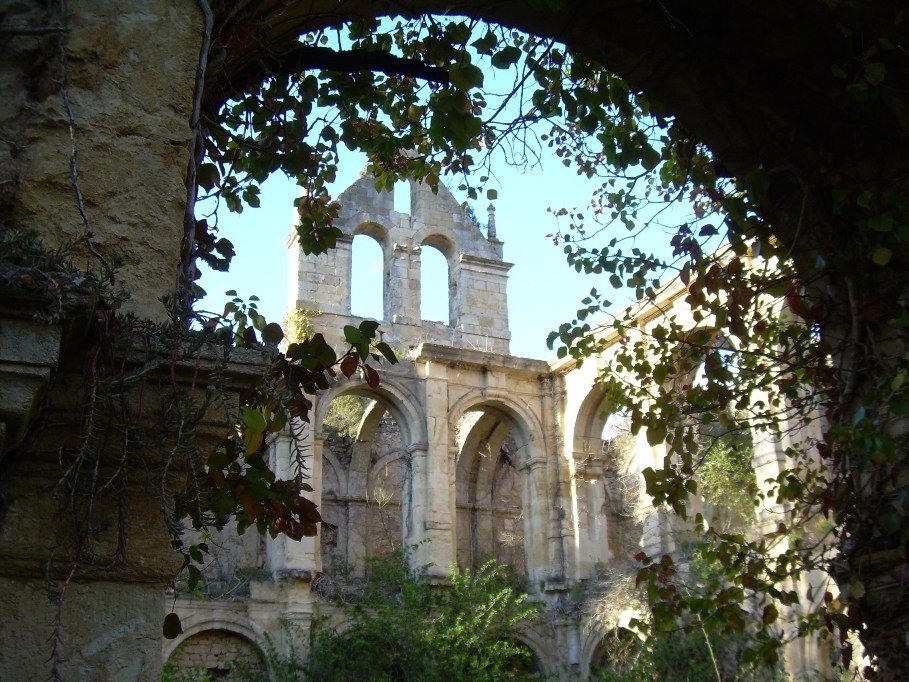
column 591, row 485
column 402, row 289
column 537, row 506
column 287, row 557
column 129, row 76
column 430, row 515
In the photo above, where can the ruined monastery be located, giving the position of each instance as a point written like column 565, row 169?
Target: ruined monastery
column 463, row 453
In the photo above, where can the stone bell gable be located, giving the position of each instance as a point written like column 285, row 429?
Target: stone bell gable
column 477, row 274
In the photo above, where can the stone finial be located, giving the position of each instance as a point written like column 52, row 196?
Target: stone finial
column 491, row 225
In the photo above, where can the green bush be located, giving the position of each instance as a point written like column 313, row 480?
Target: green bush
column 401, row 627
column 679, row 656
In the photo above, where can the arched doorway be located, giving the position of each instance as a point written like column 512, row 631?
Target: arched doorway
column 216, row 654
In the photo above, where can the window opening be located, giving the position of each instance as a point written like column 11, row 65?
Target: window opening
column 402, row 197
column 367, row 278
column 434, row 292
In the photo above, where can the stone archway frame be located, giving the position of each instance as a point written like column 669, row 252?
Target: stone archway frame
column 391, row 396
column 536, row 464
column 473, row 474
column 195, row 624
column 402, row 403
column 545, row 655
column 591, row 417
column 597, row 631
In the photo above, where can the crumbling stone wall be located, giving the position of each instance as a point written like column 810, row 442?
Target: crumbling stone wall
column 96, row 104
column 128, row 98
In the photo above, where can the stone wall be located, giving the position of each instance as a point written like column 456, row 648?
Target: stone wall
column 129, row 99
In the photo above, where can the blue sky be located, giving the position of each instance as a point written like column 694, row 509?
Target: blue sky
column 543, row 291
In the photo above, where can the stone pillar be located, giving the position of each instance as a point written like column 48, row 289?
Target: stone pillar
column 402, row 284
column 324, row 280
column 657, row 533
column 491, row 225
column 482, row 303
column 430, row 514
column 536, row 504
column 287, row 557
column 129, row 95
column 591, row 488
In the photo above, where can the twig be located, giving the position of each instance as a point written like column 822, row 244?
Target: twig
column 195, row 151
column 73, row 165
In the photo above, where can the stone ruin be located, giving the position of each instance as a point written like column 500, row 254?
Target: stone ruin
column 464, row 452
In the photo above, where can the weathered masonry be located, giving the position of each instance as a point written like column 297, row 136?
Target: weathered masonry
column 464, row 452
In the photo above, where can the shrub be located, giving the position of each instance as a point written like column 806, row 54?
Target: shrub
column 401, row 627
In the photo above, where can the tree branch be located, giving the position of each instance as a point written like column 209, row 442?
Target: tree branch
column 305, row 57
column 313, row 57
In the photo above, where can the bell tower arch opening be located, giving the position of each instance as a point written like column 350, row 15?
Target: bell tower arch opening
column 437, row 290
column 367, row 280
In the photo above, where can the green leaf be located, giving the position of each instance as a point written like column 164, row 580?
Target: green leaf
column 272, row 333
column 172, row 627
column 193, row 577
column 505, row 57
column 492, row 194
column 881, row 255
column 254, row 419
column 875, row 72
column 353, row 335
column 207, row 175
column 368, row 328
column 656, row 434
column 465, row 76
column 387, row 352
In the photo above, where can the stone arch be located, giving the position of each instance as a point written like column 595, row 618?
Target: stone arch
column 591, row 418
column 605, row 478
column 532, row 427
column 490, row 483
column 444, row 251
column 244, row 632
column 363, row 285
column 367, row 517
column 540, row 663
column 375, row 230
column 397, row 399
column 596, row 646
